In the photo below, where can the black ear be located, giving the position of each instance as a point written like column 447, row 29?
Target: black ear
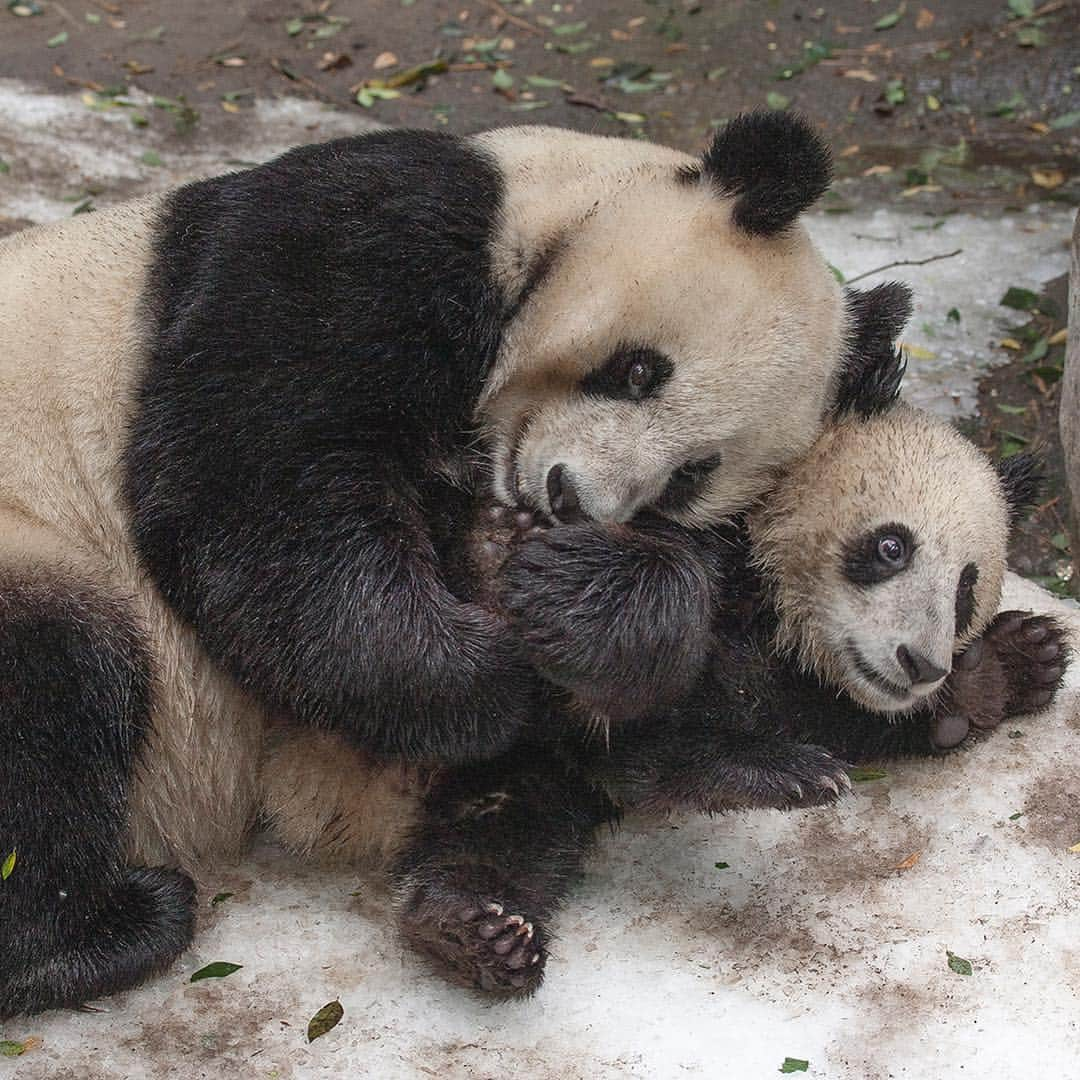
column 1022, row 477
column 774, row 163
column 868, row 379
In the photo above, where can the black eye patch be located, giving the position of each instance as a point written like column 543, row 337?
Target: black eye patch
column 631, row 373
column 965, row 597
column 687, row 483
column 878, row 555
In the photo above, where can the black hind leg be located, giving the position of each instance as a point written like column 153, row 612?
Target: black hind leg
column 493, row 858
column 75, row 922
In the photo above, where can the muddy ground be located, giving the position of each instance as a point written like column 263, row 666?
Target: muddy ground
column 930, row 106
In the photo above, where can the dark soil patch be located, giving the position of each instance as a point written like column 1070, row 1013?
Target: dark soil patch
column 1018, row 410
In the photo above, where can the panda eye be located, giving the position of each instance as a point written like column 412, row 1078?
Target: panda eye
column 638, row 378
column 878, row 555
column 891, row 550
column 631, row 373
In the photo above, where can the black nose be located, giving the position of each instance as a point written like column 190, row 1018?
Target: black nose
column 562, row 495
column 919, row 670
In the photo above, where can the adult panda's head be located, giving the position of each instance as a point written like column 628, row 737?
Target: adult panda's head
column 885, row 549
column 672, row 335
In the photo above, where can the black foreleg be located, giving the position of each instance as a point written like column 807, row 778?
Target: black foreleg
column 75, row 922
column 492, row 859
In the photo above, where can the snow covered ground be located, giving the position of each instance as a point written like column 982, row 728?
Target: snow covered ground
column 812, row 943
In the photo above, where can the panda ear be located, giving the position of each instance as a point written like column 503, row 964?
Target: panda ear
column 1022, row 477
column 870, row 373
column 774, row 164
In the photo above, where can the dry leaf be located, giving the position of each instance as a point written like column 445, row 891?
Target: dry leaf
column 1058, row 338
column 230, row 106
column 909, row 862
column 634, row 23
column 676, row 47
column 1048, row 178
column 849, row 150
column 924, row 20
column 334, row 61
column 1075, row 849
column 877, row 170
column 859, row 73
column 620, row 35
column 918, row 189
column 233, row 61
column 1039, row 127
column 384, row 60
column 601, row 61
column 770, row 26
column 1011, row 343
column 917, row 352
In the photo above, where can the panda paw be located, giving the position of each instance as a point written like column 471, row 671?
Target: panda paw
column 619, row 618
column 1033, row 653
column 476, row 943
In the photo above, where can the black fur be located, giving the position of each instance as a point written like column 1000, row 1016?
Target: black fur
column 495, row 854
column 774, row 164
column 965, row 597
column 618, row 616
column 1022, row 479
column 869, row 376
column 322, row 326
column 75, row 921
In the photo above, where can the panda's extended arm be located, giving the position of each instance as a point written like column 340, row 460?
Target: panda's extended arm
column 619, row 616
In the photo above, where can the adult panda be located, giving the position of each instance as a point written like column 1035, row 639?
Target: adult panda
column 231, row 418
column 856, row 620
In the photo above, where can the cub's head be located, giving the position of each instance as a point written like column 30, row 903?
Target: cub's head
column 885, row 547
column 672, row 336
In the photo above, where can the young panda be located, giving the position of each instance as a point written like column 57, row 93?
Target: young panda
column 855, row 620
column 231, row 417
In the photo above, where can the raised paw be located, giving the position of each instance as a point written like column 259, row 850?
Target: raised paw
column 476, row 943
column 1034, row 655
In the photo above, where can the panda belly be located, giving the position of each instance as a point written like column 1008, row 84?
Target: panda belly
column 71, row 345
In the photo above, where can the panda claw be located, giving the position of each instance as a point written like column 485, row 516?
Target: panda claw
column 515, row 920
column 526, row 931
column 493, row 908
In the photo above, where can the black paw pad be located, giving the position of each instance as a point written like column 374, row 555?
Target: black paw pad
column 1034, row 655
column 479, row 945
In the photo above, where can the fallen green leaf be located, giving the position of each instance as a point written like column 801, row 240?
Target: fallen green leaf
column 4, row 167
column 326, row 1019
column 415, row 73
column 1060, row 541
column 777, row 100
column 716, row 73
column 794, row 1065
column 837, row 273
column 7, row 866
column 57, row 39
column 861, row 774
column 217, row 970
column 631, row 117
column 567, row 29
column 1022, row 9
column 1019, row 299
column 721, row 865
column 1016, row 734
column 813, row 53
column 1016, row 817
column 543, row 82
column 1012, row 410
column 1065, row 120
column 151, row 157
column 501, row 79
column 24, row 8
column 220, row 898
column 573, row 48
column 527, row 106
column 93, row 18
column 894, row 92
column 1010, row 105
column 959, row 964
column 294, row 27
column 887, row 22
column 953, row 315
column 11, row 1048
column 1031, row 37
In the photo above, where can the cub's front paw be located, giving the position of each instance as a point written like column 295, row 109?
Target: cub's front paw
column 1033, row 654
column 476, row 942
column 1015, row 667
column 619, row 618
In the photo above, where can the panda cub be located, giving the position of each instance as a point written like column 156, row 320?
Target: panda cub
column 853, row 619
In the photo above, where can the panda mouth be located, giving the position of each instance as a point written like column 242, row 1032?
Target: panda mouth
column 874, row 677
